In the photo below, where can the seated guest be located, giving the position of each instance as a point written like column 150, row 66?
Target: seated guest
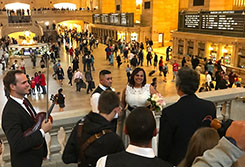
column 93, row 137
column 141, row 127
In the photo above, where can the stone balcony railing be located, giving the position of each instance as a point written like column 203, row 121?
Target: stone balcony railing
column 58, row 12
column 229, row 104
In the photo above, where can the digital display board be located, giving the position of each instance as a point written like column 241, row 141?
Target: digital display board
column 223, row 20
column 118, row 19
column 192, row 21
column 230, row 23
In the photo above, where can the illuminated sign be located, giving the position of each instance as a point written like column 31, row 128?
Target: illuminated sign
column 117, row 19
column 229, row 23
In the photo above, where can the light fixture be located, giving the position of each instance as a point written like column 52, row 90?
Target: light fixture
column 138, row 2
column 224, row 50
column 47, row 23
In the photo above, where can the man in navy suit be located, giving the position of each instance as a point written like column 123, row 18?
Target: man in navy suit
column 18, row 116
column 180, row 120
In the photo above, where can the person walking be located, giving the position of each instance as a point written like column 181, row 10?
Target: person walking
column 89, row 80
column 70, row 75
column 42, row 82
column 148, row 58
column 61, row 100
column 155, row 60
column 78, row 77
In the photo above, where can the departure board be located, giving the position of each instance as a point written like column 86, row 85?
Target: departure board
column 229, row 23
column 192, row 20
column 223, row 20
column 117, row 19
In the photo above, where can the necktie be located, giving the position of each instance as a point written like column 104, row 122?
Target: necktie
column 28, row 108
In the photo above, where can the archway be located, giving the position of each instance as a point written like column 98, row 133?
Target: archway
column 70, row 25
column 23, row 38
column 16, row 6
column 70, row 6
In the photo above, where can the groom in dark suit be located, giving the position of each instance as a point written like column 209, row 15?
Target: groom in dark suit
column 180, row 120
column 18, row 116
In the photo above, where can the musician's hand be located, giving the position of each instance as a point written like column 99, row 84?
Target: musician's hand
column 237, row 132
column 46, row 127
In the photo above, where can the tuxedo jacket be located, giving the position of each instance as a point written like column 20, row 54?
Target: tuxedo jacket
column 23, row 150
column 178, row 123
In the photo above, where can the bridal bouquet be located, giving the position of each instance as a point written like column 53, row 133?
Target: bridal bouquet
column 157, row 102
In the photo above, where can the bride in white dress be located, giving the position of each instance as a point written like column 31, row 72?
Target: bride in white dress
column 135, row 95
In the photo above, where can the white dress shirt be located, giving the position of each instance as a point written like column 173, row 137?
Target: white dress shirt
column 94, row 100
column 140, row 151
column 78, row 74
column 20, row 101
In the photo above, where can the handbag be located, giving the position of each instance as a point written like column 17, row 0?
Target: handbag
column 77, row 80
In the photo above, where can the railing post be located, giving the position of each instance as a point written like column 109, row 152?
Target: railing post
column 219, row 111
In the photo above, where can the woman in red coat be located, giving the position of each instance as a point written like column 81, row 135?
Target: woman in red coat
column 42, row 82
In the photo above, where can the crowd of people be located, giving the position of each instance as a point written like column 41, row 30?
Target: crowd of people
column 100, row 138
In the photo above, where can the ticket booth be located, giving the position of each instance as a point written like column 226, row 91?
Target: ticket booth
column 226, row 54
column 241, row 57
column 190, row 47
column 213, row 52
column 180, row 47
column 201, row 50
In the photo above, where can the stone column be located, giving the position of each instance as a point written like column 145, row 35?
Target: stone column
column 207, row 51
column 195, row 47
column 234, row 55
column 185, row 47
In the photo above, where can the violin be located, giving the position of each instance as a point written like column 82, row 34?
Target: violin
column 221, row 126
column 40, row 117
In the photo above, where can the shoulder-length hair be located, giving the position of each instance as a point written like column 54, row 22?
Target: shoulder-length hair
column 131, row 80
column 203, row 139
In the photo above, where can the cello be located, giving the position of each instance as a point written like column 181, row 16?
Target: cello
column 40, row 117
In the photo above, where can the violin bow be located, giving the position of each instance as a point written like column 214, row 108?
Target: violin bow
column 47, row 98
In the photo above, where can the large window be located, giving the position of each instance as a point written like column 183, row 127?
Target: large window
column 69, row 6
column 147, row 5
column 198, row 2
column 118, row 7
column 15, row 6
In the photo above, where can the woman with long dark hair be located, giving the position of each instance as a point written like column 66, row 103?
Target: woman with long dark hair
column 136, row 92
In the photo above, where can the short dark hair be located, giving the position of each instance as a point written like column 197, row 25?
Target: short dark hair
column 187, row 80
column 140, row 125
column 108, row 101
column 136, row 70
column 10, row 78
column 104, row 72
column 60, row 90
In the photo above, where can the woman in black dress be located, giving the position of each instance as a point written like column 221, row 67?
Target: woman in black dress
column 61, row 99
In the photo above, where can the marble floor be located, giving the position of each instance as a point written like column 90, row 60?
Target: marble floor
column 78, row 102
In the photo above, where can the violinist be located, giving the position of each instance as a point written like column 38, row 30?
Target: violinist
column 19, row 116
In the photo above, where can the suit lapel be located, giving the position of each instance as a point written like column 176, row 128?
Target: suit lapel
column 22, row 110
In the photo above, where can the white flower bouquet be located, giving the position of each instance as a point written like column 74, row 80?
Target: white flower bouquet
column 157, row 102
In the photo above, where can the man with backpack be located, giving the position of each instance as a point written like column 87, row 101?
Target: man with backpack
column 93, row 137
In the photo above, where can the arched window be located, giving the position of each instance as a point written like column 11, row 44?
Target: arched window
column 69, row 6
column 16, row 6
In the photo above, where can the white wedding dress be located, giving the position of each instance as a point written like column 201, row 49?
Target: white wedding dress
column 137, row 97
